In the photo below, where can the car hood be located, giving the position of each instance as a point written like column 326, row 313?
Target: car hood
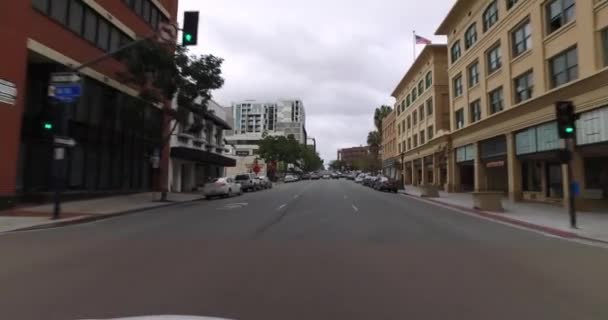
column 161, row 317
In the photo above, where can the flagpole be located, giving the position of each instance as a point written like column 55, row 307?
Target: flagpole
column 414, row 46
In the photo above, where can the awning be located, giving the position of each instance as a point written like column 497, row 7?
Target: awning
column 202, row 156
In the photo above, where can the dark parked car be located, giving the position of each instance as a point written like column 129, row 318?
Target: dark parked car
column 386, row 184
column 315, row 176
column 306, row 176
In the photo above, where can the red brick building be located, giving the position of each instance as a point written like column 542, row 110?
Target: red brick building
column 116, row 132
column 352, row 155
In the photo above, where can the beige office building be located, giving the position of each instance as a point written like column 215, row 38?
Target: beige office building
column 509, row 62
column 390, row 156
column 423, row 119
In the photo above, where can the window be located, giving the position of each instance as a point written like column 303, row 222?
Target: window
column 470, row 36
column 402, row 125
column 399, row 127
column 42, row 5
column 146, row 11
column 605, row 46
column 400, row 148
column 154, row 18
column 103, row 35
column 455, row 51
column 409, row 143
column 490, row 16
column 473, row 74
column 531, row 175
column 76, row 13
column 559, row 12
column 496, row 100
column 415, row 140
column 407, row 101
column 429, row 79
column 524, row 86
column 422, row 137
column 564, row 67
column 90, row 25
column 414, row 118
column 421, row 112
column 409, row 123
column 459, row 118
column 59, row 11
column 420, row 87
column 522, row 38
column 137, row 6
column 114, row 39
column 511, row 3
column 475, row 110
column 430, row 132
column 494, row 59
column 414, row 96
column 457, row 82
column 429, row 106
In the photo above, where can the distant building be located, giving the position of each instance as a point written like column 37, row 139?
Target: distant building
column 352, row 155
column 390, row 154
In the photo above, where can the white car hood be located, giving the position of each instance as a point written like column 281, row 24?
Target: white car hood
column 164, row 317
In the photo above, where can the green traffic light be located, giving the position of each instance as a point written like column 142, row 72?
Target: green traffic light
column 48, row 126
column 188, row 37
column 569, row 130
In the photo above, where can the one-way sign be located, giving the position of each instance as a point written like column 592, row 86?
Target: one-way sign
column 65, row 86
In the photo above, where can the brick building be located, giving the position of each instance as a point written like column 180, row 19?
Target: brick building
column 353, row 155
column 116, row 132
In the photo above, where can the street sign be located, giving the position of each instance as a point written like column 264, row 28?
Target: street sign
column 8, row 92
column 64, row 142
column 167, row 33
column 65, row 77
column 65, row 92
column 59, row 153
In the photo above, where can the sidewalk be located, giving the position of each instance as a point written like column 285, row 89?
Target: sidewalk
column 87, row 210
column 539, row 216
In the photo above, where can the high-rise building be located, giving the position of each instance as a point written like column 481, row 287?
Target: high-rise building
column 253, row 119
column 116, row 133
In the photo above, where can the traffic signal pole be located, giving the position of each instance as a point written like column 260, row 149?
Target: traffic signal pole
column 566, row 129
column 571, row 184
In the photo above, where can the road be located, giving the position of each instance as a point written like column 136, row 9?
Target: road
column 307, row 250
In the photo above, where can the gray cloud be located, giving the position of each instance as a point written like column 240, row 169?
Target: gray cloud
column 342, row 58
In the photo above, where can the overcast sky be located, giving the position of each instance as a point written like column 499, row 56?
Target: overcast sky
column 343, row 58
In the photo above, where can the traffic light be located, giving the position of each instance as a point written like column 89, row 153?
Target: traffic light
column 190, row 30
column 566, row 119
column 46, row 125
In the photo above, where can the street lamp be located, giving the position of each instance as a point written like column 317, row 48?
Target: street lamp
column 314, row 141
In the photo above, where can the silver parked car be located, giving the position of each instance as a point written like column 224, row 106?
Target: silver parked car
column 265, row 182
column 248, row 181
column 224, row 187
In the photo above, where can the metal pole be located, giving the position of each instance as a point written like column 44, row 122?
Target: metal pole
column 111, row 53
column 571, row 183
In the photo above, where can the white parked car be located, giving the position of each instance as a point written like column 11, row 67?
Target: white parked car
column 290, row 178
column 224, row 187
column 360, row 178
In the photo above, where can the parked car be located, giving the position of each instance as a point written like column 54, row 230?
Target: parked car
column 290, row 178
column 335, row 176
column 369, row 181
column 265, row 182
column 326, row 176
column 223, row 187
column 360, row 178
column 387, row 184
column 315, row 176
column 306, row 176
column 248, row 181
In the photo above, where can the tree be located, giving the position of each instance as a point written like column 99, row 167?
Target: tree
column 379, row 115
column 311, row 161
column 164, row 72
column 337, row 164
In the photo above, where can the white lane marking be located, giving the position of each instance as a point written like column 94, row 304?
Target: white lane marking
column 355, row 208
column 282, row 206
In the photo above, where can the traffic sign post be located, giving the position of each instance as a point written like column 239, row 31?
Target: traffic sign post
column 64, row 89
column 566, row 127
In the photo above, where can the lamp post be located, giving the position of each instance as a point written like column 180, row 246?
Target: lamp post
column 314, row 141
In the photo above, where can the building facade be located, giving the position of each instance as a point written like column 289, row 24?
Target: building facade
column 198, row 149
column 254, row 119
column 116, row 132
column 509, row 62
column 353, row 156
column 390, row 154
column 423, row 119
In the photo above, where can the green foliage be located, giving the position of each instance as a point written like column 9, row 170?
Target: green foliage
column 288, row 150
column 163, row 73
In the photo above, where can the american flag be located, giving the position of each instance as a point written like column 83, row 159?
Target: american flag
column 422, row 40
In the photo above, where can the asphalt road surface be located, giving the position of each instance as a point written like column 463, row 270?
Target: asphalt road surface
column 307, row 250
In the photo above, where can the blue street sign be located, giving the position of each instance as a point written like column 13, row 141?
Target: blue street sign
column 66, row 91
column 575, row 189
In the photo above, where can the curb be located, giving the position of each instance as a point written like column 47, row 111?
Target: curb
column 97, row 217
column 528, row 225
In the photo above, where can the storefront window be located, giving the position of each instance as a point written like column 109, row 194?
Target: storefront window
column 596, row 174
column 531, row 176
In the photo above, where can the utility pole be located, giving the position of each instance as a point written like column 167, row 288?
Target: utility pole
column 566, row 128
